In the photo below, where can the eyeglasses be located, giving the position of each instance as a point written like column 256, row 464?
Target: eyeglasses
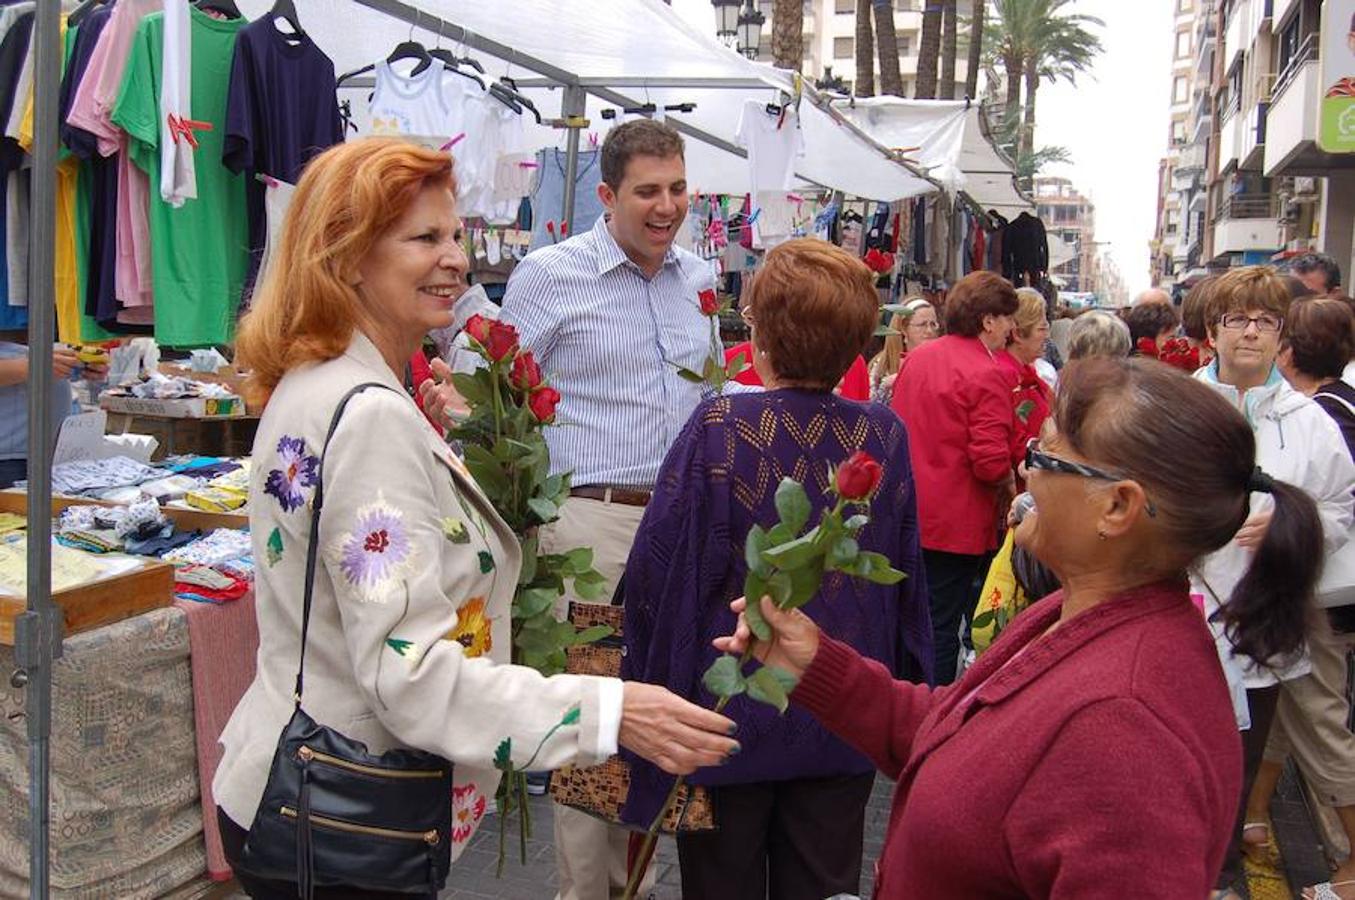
column 1038, row 460
column 1265, row 323
column 926, row 326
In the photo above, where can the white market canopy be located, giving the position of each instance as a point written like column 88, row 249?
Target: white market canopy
column 622, row 53
column 947, row 140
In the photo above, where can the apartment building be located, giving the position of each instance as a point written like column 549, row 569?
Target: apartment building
column 1268, row 190
column 830, row 40
column 1069, row 217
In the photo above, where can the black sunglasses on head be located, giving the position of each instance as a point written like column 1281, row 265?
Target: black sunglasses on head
column 1038, row 460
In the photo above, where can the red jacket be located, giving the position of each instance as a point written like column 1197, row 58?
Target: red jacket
column 1099, row 760
column 957, row 403
column 1032, row 403
column 855, row 385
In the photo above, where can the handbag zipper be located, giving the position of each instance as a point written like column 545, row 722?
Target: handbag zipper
column 309, row 755
column 430, row 838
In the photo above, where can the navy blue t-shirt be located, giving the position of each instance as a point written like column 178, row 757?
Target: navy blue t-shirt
column 281, row 111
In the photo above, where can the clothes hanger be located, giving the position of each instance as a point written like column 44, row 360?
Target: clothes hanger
column 452, row 64
column 286, row 10
column 82, row 10
column 226, row 7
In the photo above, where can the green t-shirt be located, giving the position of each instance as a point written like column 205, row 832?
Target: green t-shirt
column 199, row 252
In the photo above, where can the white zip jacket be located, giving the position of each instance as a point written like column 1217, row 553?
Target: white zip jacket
column 1296, row 442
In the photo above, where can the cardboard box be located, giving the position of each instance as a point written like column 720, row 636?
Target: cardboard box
column 186, row 408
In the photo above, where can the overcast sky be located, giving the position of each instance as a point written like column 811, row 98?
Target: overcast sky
column 1114, row 123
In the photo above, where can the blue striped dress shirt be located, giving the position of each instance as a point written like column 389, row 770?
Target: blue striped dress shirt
column 609, row 339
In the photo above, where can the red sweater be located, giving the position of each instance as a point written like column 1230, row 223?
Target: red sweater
column 957, row 403
column 1103, row 761
column 855, row 385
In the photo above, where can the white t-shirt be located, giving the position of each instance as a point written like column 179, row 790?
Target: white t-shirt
column 774, row 145
column 412, row 106
column 488, row 155
column 178, row 174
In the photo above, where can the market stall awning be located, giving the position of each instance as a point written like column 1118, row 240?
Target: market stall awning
column 947, row 141
column 623, row 52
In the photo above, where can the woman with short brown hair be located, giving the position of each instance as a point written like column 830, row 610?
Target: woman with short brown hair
column 956, row 399
column 790, row 808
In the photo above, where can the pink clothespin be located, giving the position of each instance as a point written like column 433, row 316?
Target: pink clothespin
column 564, row 230
column 453, row 142
column 527, row 165
column 550, row 229
column 266, row 180
column 593, row 139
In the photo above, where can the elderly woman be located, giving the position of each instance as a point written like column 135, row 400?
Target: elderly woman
column 1098, row 333
column 1311, row 716
column 913, row 326
column 410, row 624
column 1092, row 751
column 956, row 399
column 791, row 808
column 1295, row 441
column 1033, row 397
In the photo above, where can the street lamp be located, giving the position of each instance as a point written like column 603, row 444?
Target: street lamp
column 750, row 31
column 726, row 19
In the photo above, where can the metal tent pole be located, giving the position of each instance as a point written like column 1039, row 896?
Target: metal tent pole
column 573, row 106
column 37, row 632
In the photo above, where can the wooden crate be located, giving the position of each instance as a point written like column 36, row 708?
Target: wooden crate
column 184, row 519
column 98, row 603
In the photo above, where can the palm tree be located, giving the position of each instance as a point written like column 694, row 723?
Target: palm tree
column 971, row 83
column 891, row 82
column 1063, row 49
column 950, row 32
column 1034, row 40
column 928, row 51
column 865, row 51
column 788, row 25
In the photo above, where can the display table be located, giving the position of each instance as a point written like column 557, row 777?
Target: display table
column 137, row 708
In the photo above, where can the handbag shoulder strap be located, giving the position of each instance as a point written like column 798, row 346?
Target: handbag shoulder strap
column 317, row 503
column 1332, row 395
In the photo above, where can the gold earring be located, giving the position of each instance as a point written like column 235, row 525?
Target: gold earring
column 1101, row 534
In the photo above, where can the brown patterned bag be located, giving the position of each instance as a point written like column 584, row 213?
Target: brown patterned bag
column 601, row 790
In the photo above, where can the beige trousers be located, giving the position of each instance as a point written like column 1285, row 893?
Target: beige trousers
column 590, row 854
column 1311, row 719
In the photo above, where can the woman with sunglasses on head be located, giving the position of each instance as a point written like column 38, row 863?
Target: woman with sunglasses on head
column 1092, row 751
column 1297, row 443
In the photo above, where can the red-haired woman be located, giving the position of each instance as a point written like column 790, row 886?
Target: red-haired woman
column 410, row 624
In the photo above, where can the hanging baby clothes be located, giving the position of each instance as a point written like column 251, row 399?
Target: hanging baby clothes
column 178, row 172
column 281, row 111
column 277, row 197
column 549, row 197
column 92, row 111
column 494, row 133
column 200, row 250
column 413, row 106
column 775, row 144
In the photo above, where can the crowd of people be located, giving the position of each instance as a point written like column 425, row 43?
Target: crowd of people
column 1122, row 735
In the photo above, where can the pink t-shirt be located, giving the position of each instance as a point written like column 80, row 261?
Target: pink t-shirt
column 92, row 109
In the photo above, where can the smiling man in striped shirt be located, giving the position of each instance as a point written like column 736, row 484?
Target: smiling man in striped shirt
column 610, row 315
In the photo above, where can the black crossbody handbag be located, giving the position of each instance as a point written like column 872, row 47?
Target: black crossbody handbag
column 335, row 815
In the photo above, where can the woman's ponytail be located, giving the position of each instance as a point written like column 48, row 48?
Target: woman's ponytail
column 1266, row 617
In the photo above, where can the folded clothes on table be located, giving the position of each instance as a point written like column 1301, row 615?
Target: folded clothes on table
column 222, row 545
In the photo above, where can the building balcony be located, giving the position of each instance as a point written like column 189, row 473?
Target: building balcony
column 1252, row 134
column 1280, row 14
column 1190, row 159
column 1230, row 140
column 1235, row 33
column 1248, row 223
column 1291, row 127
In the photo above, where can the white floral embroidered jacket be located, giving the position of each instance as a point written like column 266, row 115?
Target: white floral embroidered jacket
column 410, row 621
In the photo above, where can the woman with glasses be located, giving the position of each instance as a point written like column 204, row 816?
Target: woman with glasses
column 914, row 326
column 1092, row 750
column 1296, row 442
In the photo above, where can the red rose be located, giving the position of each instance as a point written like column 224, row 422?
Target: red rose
column 503, row 341
column 859, row 476
column 1147, row 347
column 710, row 303
column 542, row 404
column 477, row 326
column 526, row 374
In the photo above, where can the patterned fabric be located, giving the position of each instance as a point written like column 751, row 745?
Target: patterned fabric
column 126, row 821
column 687, row 563
column 610, row 340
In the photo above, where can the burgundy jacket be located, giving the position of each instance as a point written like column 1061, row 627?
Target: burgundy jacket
column 956, row 400
column 1100, row 759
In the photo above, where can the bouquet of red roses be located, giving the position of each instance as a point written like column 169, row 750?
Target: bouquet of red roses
column 1176, row 352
